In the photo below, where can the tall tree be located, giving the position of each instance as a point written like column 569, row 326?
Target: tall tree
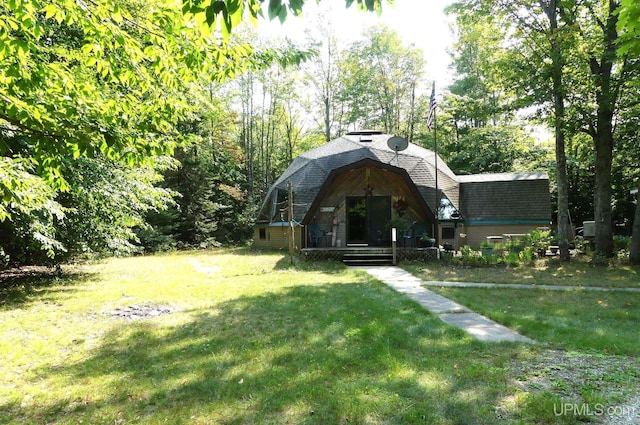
column 380, row 77
column 530, row 67
column 476, row 99
column 580, row 62
column 324, row 76
column 555, row 39
column 596, row 23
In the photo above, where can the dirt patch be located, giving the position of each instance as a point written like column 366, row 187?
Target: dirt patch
column 142, row 311
column 608, row 386
column 624, row 414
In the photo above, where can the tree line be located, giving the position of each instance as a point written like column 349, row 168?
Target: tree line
column 130, row 126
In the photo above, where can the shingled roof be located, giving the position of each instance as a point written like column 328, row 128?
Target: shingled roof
column 309, row 171
column 516, row 198
column 477, row 197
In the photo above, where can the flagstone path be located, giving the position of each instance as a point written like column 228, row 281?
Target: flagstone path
column 448, row 311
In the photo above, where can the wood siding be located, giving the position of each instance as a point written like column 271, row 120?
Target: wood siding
column 355, row 183
column 478, row 234
column 276, row 237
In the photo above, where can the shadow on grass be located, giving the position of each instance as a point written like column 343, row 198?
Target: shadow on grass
column 326, row 266
column 21, row 286
column 345, row 353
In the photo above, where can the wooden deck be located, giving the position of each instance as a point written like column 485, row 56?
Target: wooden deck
column 340, row 253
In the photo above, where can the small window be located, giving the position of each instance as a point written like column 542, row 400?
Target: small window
column 263, row 233
column 448, row 233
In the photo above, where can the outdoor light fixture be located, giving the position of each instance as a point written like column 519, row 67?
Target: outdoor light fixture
column 455, row 217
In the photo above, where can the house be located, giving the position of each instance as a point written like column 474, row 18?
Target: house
column 352, row 190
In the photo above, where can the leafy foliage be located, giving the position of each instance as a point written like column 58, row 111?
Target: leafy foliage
column 213, row 208
column 112, row 77
column 91, row 94
column 493, row 150
column 108, row 201
column 226, row 15
column 570, row 59
column 30, row 201
column 629, row 28
column 379, row 81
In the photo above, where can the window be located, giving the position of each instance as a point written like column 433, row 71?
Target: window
column 448, row 233
column 263, row 233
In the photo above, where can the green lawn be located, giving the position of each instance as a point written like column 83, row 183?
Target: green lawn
column 599, row 322
column 548, row 271
column 250, row 340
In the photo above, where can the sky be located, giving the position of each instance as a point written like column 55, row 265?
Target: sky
column 422, row 23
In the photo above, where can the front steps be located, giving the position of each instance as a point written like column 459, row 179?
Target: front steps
column 368, row 255
column 368, row 259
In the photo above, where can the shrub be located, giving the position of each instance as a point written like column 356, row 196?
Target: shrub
column 538, row 239
column 621, row 243
column 527, row 255
column 512, row 253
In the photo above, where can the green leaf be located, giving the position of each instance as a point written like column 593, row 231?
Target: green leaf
column 275, row 7
column 210, row 15
column 50, row 11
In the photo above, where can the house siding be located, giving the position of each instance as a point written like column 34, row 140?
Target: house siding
column 276, row 236
column 354, row 183
column 477, row 234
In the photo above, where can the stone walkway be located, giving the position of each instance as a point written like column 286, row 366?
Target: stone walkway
column 450, row 312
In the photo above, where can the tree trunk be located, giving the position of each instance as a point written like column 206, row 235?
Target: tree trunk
column 602, row 195
column 563, row 193
column 327, row 119
column 550, row 9
column 602, row 130
column 634, row 255
column 606, row 97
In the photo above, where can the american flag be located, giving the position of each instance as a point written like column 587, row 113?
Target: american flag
column 432, row 107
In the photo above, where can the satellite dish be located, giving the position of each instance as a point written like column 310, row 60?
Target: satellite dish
column 397, row 143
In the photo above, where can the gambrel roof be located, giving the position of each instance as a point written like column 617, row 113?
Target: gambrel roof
column 309, row 171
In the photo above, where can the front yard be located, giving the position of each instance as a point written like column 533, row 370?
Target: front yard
column 240, row 337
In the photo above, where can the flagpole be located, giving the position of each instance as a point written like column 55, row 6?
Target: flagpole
column 431, row 121
column 435, row 147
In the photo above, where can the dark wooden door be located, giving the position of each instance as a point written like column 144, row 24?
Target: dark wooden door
column 367, row 218
column 379, row 214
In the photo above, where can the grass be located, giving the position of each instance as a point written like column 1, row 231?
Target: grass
column 599, row 322
column 252, row 340
column 548, row 271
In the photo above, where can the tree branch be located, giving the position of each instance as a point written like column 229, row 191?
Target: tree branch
column 29, row 130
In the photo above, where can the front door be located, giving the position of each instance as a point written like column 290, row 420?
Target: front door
column 367, row 218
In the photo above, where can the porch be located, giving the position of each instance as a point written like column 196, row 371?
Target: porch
column 370, row 255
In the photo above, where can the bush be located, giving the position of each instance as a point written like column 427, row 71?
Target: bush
column 621, row 243
column 510, row 254
column 537, row 239
column 527, row 255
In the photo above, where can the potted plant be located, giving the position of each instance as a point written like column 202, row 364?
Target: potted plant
column 398, row 223
column 427, row 241
column 486, row 248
